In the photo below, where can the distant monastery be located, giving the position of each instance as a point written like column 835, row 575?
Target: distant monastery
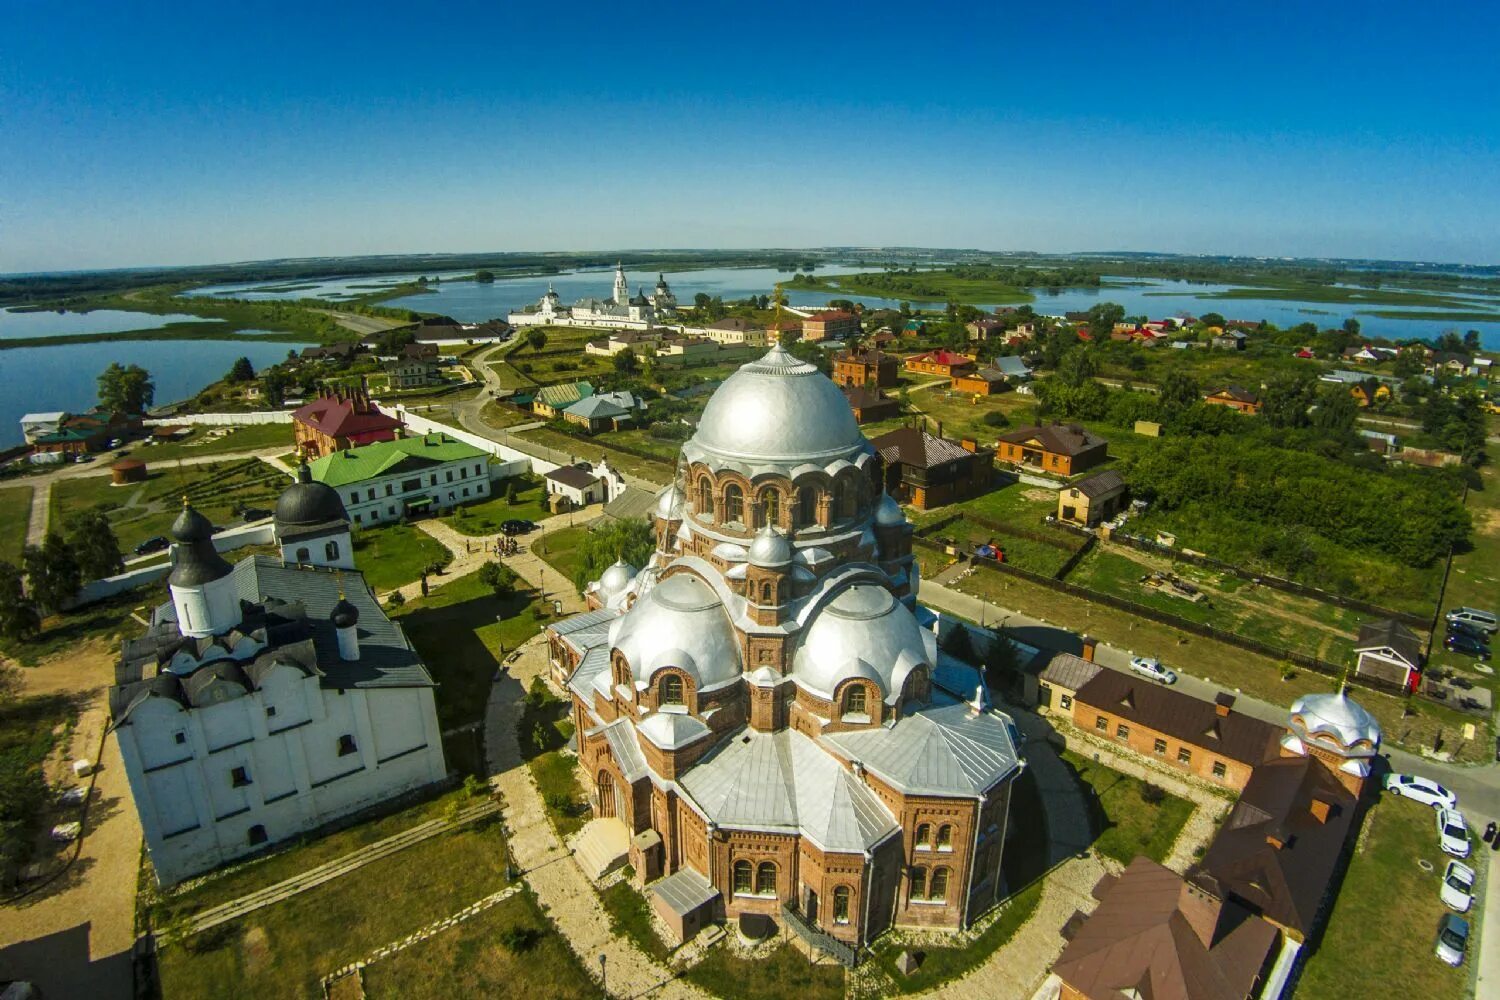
column 623, row 311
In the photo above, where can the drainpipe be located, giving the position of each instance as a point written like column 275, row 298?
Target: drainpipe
column 973, row 858
column 865, row 890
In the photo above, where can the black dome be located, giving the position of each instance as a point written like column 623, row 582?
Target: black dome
column 195, row 561
column 191, row 526
column 306, row 503
column 344, row 614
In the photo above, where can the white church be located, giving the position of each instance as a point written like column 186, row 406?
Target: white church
column 268, row 697
column 623, row 311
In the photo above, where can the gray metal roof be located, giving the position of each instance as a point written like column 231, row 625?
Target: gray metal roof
column 784, row 782
column 941, row 749
column 622, row 743
column 633, row 502
column 684, row 891
column 594, row 663
column 1069, row 671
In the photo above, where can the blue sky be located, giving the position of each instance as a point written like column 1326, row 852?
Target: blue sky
column 143, row 133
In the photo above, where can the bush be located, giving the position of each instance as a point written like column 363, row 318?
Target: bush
column 519, row 939
column 560, row 802
column 995, row 418
column 395, row 600
column 1152, row 794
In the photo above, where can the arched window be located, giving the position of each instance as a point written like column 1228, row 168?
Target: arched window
column 734, row 505
column 924, row 835
column 770, row 507
column 916, row 688
column 766, row 593
column 854, row 700
column 304, row 555
column 705, row 495
column 765, row 879
column 945, row 838
column 841, row 905
column 807, row 506
column 671, row 690
column 939, row 888
column 742, row 877
column 841, row 499
column 331, row 551
column 918, row 883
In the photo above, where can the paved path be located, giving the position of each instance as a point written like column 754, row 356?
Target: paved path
column 337, row 868
column 41, row 512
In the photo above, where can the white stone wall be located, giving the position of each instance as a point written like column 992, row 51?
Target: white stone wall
column 384, row 498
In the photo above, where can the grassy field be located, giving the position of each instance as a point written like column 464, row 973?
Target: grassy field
column 510, row 377
column 500, row 415
column 928, row 286
column 394, row 555
column 1125, row 824
column 1384, row 922
column 201, row 441
column 653, row 471
column 1025, row 553
column 560, row 549
column 783, row 973
column 15, row 517
column 630, row 915
column 471, row 960
column 284, row 950
column 556, row 776
column 1475, row 579
column 105, row 621
column 486, row 517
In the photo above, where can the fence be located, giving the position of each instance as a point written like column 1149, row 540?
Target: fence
column 541, row 459
column 223, row 419
column 97, row 590
column 1075, row 552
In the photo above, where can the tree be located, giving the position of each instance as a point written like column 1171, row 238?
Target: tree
column 701, row 300
column 1077, row 367
column 511, row 491
column 484, row 277
column 499, row 578
column 1212, row 319
column 1336, row 411
column 94, row 545
column 52, row 572
column 241, row 371
column 1409, row 362
column 19, row 618
column 1286, row 398
column 536, row 338
column 1471, row 341
column 625, row 362
column 273, row 386
column 128, row 389
column 1104, row 316
column 1351, row 326
column 630, row 540
column 1178, row 391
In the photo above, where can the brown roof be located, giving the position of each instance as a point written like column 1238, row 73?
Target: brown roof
column 1235, row 736
column 1391, row 634
column 863, row 396
column 733, row 323
column 340, row 416
column 1142, row 938
column 910, row 446
column 1237, row 394
column 1069, row 671
column 1059, row 439
column 1100, row 483
column 831, row 314
column 990, row 375
column 1286, row 883
column 572, row 475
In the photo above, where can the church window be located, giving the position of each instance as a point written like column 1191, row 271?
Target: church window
column 765, row 879
column 923, row 838
column 270, row 711
column 939, row 888
column 766, row 593
column 841, row 905
column 734, row 505
column 331, row 551
column 854, row 700
column 770, row 507
column 807, row 506
column 742, row 878
column 840, row 499
column 945, row 838
column 239, row 777
column 346, row 745
column 705, row 495
column 671, row 690
column 919, row 883
column 354, row 497
column 304, row 555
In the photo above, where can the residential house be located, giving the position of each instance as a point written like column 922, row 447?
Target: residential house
column 1448, row 363
column 551, row 400
column 1231, row 340
column 830, row 324
column 1236, row 398
column 1389, row 653
column 914, row 328
column 1012, row 368
column 444, row 330
column 570, row 487
column 35, row 425
column 947, row 363
column 982, row 382
column 692, row 350
column 984, row 328
column 391, row 480
column 1092, row 500
column 866, row 367
column 639, row 341
column 335, row 421
column 79, row 433
column 870, row 404
column 603, row 411
column 736, row 332
column 411, row 373
column 1062, row 449
column 1064, row 674
column 928, row 471
column 416, row 351
column 341, row 354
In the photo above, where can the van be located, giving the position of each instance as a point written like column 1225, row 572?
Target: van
column 1485, row 620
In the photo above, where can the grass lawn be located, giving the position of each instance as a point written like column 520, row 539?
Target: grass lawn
column 630, row 915
column 1026, row 553
column 498, row 414
column 1384, row 922
column 1475, row 579
column 510, row 377
column 654, row 471
column 200, row 441
column 394, row 555
column 783, row 973
column 15, row 518
column 556, row 775
column 1125, row 824
column 29, row 729
column 1018, row 504
column 561, row 549
column 106, row 620
column 471, row 960
column 284, row 950
column 485, row 517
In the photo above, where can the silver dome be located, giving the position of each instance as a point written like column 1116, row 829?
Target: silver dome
column 1335, row 719
column 863, row 632
column 681, row 623
column 888, row 514
column 770, row 549
column 669, row 504
column 616, row 579
column 778, row 410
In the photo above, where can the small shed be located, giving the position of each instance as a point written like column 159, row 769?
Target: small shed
column 1148, row 428
column 685, row 901
column 1388, row 652
column 127, row 471
column 1092, row 499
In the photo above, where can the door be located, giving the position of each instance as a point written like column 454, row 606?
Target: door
column 812, row 907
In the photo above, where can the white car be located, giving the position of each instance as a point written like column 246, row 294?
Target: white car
column 1458, row 886
column 1427, row 792
column 1148, row 667
column 1453, row 833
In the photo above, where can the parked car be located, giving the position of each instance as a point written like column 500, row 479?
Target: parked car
column 1458, row 886
column 1453, row 832
column 153, row 544
column 1485, row 620
column 1464, row 628
column 1425, row 791
column 1147, row 666
column 1457, row 642
column 255, row 514
column 1452, row 939
column 517, row 527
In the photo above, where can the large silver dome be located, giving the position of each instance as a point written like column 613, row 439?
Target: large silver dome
column 780, row 410
column 679, row 623
column 863, row 632
column 1336, row 719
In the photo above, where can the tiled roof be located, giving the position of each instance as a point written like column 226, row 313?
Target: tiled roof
column 337, row 417
column 1235, row 736
column 911, row 446
column 950, row 358
column 1059, row 439
column 355, row 465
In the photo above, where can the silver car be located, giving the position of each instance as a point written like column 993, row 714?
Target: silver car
column 1484, row 620
column 1452, row 939
column 1458, row 887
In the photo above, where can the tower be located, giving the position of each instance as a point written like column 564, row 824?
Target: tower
column 202, row 585
column 622, row 289
column 311, row 525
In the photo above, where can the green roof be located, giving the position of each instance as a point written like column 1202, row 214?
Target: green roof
column 559, row 396
column 355, row 465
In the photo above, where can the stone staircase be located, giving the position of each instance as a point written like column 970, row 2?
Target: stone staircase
column 601, row 847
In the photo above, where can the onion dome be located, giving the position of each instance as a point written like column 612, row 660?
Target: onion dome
column 888, row 514
column 770, row 549
column 679, row 623
column 306, row 503
column 669, row 503
column 615, row 580
column 344, row 614
column 780, row 410
column 863, row 632
column 1335, row 722
column 195, row 561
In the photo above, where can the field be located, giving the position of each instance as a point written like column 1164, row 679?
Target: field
column 1383, row 924
column 393, row 555
column 15, row 517
column 560, row 549
column 651, row 470
column 1125, row 823
column 1475, row 579
column 486, row 517
column 202, row 441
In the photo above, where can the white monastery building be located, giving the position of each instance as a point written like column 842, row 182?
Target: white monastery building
column 622, row 311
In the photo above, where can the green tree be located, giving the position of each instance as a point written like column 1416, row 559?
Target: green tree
column 1285, row 399
column 19, row 618
column 94, row 545
column 1351, row 326
column 1077, row 367
column 499, row 578
column 273, row 386
column 128, row 389
column 1103, row 317
column 52, row 571
column 1178, row 391
column 536, row 338
column 626, row 363
column 241, row 371
column 1409, row 362
column 1336, row 411
column 1212, row 319
column 630, row 540
column 484, row 277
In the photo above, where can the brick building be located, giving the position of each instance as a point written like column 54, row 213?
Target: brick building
column 870, row 404
column 1062, row 449
column 867, row 367
column 949, row 363
column 982, row 382
column 928, row 471
column 335, row 421
column 831, row 324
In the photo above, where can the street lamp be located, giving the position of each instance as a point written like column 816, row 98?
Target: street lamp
column 603, row 984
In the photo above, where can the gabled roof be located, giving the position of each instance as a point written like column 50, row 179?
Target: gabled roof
column 597, row 408
column 1069, row 671
column 559, row 396
column 1238, row 394
column 949, row 358
column 912, row 446
column 862, row 396
column 1012, row 366
column 355, row 465
column 1100, row 483
column 337, row 416
column 990, row 375
column 572, row 475
column 1390, row 634
column 1235, row 736
column 1059, row 439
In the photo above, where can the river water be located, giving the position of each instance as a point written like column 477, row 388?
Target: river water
column 21, row 325
column 44, row 379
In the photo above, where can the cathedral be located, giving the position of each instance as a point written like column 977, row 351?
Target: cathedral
column 763, row 706
column 621, row 311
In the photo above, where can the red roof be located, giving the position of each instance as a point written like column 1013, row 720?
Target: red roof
column 943, row 358
column 339, row 417
column 1085, row 335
